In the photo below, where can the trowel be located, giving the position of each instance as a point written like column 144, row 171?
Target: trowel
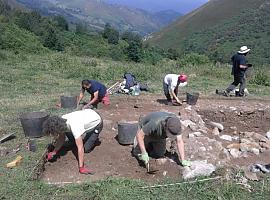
column 150, row 170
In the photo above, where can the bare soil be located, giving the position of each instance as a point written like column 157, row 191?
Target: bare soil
column 110, row 159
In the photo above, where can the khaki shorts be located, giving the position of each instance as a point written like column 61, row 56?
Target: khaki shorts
column 156, row 148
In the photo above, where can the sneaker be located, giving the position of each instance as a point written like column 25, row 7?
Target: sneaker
column 225, row 93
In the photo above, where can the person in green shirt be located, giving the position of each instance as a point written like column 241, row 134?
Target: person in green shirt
column 152, row 134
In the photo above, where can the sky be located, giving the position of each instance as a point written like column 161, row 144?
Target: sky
column 182, row 6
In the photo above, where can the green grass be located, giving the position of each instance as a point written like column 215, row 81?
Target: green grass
column 35, row 82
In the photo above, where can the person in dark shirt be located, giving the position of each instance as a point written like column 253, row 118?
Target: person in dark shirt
column 238, row 71
column 98, row 93
column 152, row 134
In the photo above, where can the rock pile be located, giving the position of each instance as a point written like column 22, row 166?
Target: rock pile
column 249, row 142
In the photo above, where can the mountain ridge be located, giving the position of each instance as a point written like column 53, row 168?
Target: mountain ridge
column 96, row 13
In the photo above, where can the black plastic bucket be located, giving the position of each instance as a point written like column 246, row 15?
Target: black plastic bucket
column 68, row 101
column 192, row 98
column 127, row 132
column 32, row 123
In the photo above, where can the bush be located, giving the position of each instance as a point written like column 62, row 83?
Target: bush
column 193, row 59
column 261, row 78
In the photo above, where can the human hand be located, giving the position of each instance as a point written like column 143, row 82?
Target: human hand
column 51, row 155
column 186, row 163
column 144, row 157
column 84, row 170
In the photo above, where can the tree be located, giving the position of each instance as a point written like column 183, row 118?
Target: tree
column 81, row 28
column 111, row 34
column 61, row 22
column 134, row 51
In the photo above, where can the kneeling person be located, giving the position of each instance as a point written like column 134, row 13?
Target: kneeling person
column 98, row 93
column 85, row 126
column 151, row 138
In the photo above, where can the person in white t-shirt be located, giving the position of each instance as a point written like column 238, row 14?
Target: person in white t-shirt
column 81, row 127
column 171, row 83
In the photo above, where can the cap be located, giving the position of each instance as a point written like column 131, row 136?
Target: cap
column 182, row 78
column 173, row 127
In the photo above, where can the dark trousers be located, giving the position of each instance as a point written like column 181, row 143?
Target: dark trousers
column 238, row 80
column 167, row 92
column 90, row 138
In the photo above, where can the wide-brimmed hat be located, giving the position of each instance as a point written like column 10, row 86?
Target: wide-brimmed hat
column 173, row 127
column 244, row 49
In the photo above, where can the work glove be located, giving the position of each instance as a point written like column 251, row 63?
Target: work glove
column 51, row 155
column 144, row 157
column 186, row 163
column 84, row 170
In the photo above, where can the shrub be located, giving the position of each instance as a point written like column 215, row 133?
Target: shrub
column 261, row 78
column 193, row 59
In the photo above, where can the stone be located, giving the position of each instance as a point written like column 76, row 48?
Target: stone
column 198, row 168
column 259, row 137
column 235, row 133
column 250, row 175
column 161, row 161
column 218, row 125
column 245, row 140
column 164, row 173
column 255, row 151
column 204, row 131
column 265, row 145
column 3, row 151
column 215, row 131
column 226, row 137
column 247, row 134
column 193, row 127
column 233, row 146
column 247, row 147
column 267, row 135
column 191, row 135
column 202, row 149
column 235, row 153
column 234, row 128
column 187, row 123
column 197, row 134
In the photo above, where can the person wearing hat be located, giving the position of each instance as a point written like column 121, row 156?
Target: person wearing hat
column 238, row 71
column 150, row 140
column 171, row 84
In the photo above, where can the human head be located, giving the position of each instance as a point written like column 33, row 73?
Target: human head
column 86, row 84
column 54, row 126
column 182, row 78
column 173, row 127
column 244, row 50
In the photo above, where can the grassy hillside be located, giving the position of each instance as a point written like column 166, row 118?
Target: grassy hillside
column 220, row 26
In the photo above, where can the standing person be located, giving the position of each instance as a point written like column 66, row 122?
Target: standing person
column 151, row 137
column 238, row 71
column 171, row 83
column 81, row 127
column 98, row 93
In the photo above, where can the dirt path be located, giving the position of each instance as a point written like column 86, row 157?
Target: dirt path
column 110, row 159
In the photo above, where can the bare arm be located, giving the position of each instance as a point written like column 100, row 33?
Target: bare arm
column 95, row 98
column 140, row 139
column 79, row 143
column 80, row 97
column 180, row 147
column 174, row 95
column 243, row 66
